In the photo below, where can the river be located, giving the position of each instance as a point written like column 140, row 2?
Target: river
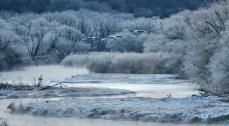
column 157, row 86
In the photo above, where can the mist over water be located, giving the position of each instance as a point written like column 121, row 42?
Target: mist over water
column 30, row 75
column 162, row 61
column 157, row 89
column 146, row 85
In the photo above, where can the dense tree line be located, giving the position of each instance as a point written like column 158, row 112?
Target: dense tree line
column 149, row 8
column 197, row 41
column 200, row 38
column 49, row 37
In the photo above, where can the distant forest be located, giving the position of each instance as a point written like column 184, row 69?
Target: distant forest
column 146, row 8
column 122, row 35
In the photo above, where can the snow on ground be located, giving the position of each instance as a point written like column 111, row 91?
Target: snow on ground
column 176, row 110
column 125, row 78
column 3, row 122
column 62, row 92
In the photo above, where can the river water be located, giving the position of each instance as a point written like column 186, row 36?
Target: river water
column 157, row 86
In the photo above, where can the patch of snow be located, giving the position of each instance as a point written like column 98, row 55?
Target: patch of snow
column 176, row 110
column 63, row 92
column 3, row 122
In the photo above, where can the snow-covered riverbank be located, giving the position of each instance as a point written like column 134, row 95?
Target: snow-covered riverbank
column 137, row 99
column 182, row 110
column 22, row 92
column 3, row 122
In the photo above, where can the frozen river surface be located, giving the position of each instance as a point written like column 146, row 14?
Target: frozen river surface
column 145, row 85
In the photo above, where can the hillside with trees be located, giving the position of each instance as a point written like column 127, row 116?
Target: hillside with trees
column 196, row 40
column 139, row 8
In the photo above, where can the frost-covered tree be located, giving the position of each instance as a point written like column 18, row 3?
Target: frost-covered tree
column 11, row 49
column 219, row 66
column 69, row 18
column 65, row 40
column 169, row 38
column 127, row 42
column 141, row 8
column 38, row 28
column 70, row 41
column 150, row 25
column 206, row 26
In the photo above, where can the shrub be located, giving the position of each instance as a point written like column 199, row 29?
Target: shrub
column 135, row 63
